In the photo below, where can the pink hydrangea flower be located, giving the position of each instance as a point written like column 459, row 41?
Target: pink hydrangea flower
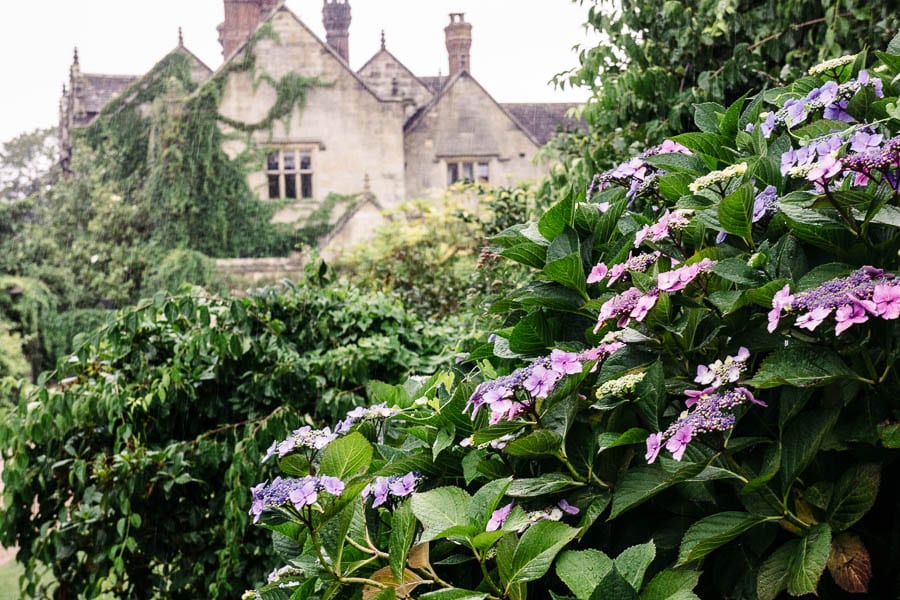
column 780, row 301
column 654, row 444
column 565, row 363
column 887, row 301
column 813, row 318
column 852, row 314
column 597, row 273
column 678, row 443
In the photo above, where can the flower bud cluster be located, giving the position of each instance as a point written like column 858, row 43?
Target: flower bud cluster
column 638, row 264
column 299, row 492
column 622, row 386
column 715, row 177
column 376, row 412
column 636, row 173
column 830, row 65
column 668, row 222
column 867, row 292
column 397, row 486
column 504, row 396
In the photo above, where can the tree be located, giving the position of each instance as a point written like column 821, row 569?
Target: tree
column 28, row 164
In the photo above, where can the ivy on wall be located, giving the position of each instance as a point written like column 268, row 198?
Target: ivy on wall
column 161, row 145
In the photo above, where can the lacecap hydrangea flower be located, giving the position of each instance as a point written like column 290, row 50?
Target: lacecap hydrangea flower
column 867, row 292
column 395, row 486
column 299, row 492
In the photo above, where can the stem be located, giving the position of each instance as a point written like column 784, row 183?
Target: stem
column 487, row 576
column 370, row 550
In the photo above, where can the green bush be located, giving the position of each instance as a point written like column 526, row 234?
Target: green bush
column 125, row 471
column 180, row 267
column 694, row 397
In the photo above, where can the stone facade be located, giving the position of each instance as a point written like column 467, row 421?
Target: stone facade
column 381, row 134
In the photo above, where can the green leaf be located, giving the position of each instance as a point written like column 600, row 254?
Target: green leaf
column 295, row 465
column 854, row 495
column 651, row 393
column 531, row 335
column 537, row 548
column 801, row 365
column 707, row 116
column 537, row 443
column 614, row 587
column 890, row 435
column 736, row 212
column 453, row 594
column 677, row 162
column 802, row 440
column 486, row 499
column 583, row 570
column 640, row 484
column 633, row 562
column 564, row 264
column 528, row 253
column 672, row 585
column 772, row 577
column 444, row 440
column 710, row 532
column 819, row 228
column 613, row 439
column 736, row 270
column 549, row 483
column 712, row 146
column 440, row 509
column 346, row 456
column 558, row 217
column 808, row 560
column 403, row 531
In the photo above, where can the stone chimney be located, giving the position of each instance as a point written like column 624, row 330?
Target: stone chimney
column 242, row 17
column 459, row 41
column 336, row 18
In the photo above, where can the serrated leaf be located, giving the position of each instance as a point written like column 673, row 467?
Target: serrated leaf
column 633, row 562
column 850, row 564
column 736, row 212
column 453, row 594
column 614, row 587
column 444, row 440
column 672, row 585
column 640, row 484
column 537, row 443
column 440, row 509
column 854, row 495
column 713, row 531
column 486, row 500
column 772, row 577
column 801, row 365
column 614, row 439
column 537, row 548
column 549, row 483
column 346, row 456
column 403, row 531
column 802, row 440
column 583, row 570
column 889, row 435
column 808, row 560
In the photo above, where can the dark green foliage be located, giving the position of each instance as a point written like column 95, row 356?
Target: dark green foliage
column 181, row 267
column 137, row 462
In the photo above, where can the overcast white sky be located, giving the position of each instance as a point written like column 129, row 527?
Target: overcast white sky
column 518, row 45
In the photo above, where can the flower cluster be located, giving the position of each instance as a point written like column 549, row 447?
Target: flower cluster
column 305, row 437
column 636, row 174
column 299, row 492
column 638, row 264
column 551, row 513
column 397, row 486
column 714, row 177
column 668, row 222
column 830, row 97
column 830, row 65
column 721, row 372
column 712, row 410
column 853, row 299
column 821, row 161
column 375, row 412
column 537, row 380
column 635, row 304
column 875, row 157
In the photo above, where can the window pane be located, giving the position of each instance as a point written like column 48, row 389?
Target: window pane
column 290, row 186
column 305, row 161
column 452, row 173
column 289, row 164
column 272, row 161
column 306, row 185
column 484, row 172
column 274, row 188
column 467, row 172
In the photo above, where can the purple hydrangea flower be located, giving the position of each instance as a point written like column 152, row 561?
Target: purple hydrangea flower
column 398, row 486
column 498, row 517
column 673, row 281
column 540, row 381
column 887, row 301
column 568, row 508
column 565, row 363
column 677, row 444
column 632, row 303
column 300, row 492
column 362, row 413
column 721, row 372
column 765, row 203
column 668, row 222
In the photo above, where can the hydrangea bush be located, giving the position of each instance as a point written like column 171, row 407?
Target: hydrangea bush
column 694, row 396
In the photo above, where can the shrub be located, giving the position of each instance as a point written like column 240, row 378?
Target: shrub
column 694, row 397
column 127, row 475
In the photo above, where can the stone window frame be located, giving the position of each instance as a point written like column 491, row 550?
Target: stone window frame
column 467, row 169
column 290, row 172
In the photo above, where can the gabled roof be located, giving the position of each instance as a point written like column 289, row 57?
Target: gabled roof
column 390, row 54
column 435, row 84
column 280, row 6
column 414, row 120
column 544, row 119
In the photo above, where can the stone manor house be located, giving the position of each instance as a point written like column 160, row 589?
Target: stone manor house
column 380, row 131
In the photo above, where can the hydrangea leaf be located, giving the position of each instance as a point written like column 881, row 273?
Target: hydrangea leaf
column 709, row 533
column 853, row 496
column 802, row 440
column 614, row 587
column 736, row 212
column 440, row 509
column 583, row 570
column 801, row 366
column 633, row 562
column 346, row 456
column 537, row 548
column 403, row 531
column 808, row 560
column 672, row 584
